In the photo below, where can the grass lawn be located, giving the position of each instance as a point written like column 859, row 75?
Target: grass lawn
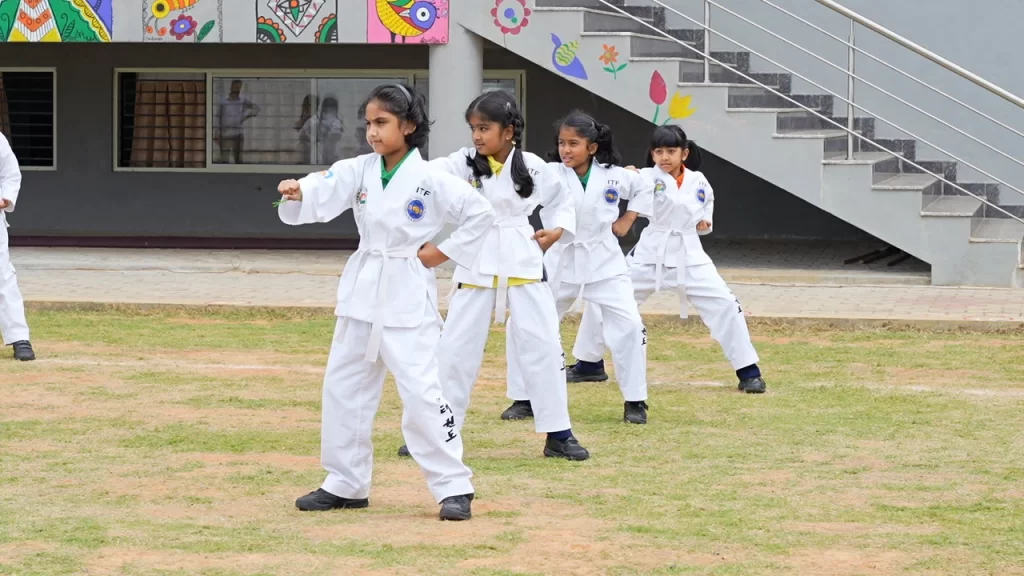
column 175, row 442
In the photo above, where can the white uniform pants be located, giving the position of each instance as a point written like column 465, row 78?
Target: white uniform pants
column 12, row 307
column 705, row 289
column 626, row 336
column 536, row 338
column 352, row 391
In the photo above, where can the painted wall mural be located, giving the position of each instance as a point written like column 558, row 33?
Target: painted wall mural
column 182, row 20
column 297, row 21
column 246, row 21
column 407, row 21
column 565, row 60
column 511, row 16
column 610, row 59
column 680, row 106
column 55, row 20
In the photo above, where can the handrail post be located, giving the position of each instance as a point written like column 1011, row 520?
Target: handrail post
column 852, row 70
column 707, row 42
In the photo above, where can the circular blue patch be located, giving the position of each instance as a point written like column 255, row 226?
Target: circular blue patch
column 611, row 195
column 659, row 186
column 701, row 196
column 415, row 209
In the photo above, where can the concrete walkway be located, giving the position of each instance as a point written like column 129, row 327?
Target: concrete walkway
column 309, row 279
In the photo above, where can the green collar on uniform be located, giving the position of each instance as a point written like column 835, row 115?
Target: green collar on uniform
column 586, row 177
column 386, row 175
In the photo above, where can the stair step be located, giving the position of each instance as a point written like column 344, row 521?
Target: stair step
column 998, row 230
column 862, row 158
column 916, row 182
column 952, row 206
column 596, row 21
column 595, row 4
column 823, row 134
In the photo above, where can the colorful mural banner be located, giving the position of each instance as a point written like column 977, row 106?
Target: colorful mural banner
column 55, row 20
column 407, row 21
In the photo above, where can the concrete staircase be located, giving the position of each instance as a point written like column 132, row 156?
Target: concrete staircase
column 964, row 240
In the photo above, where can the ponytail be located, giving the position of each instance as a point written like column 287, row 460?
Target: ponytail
column 592, row 131
column 693, row 159
column 500, row 107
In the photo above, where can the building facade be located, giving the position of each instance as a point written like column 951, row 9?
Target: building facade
column 170, row 122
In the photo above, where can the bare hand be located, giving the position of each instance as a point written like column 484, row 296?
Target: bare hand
column 547, row 238
column 4, row 203
column 290, row 190
column 430, row 256
column 633, row 168
column 622, row 226
column 703, row 225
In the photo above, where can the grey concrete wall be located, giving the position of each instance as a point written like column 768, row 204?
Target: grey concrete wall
column 85, row 197
column 983, row 37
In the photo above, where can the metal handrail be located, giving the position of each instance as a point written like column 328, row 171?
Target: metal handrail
column 852, row 133
column 859, row 50
column 922, row 51
column 879, row 88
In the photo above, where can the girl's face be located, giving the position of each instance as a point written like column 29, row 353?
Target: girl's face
column 385, row 133
column 489, row 137
column 669, row 159
column 574, row 149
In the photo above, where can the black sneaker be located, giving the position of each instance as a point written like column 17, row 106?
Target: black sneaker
column 519, row 410
column 569, row 449
column 635, row 412
column 456, row 508
column 571, row 375
column 320, row 500
column 23, row 351
column 753, row 385
column 404, row 452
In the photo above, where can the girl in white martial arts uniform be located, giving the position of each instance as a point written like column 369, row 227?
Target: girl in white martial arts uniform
column 669, row 255
column 510, row 271
column 387, row 301
column 592, row 265
column 12, row 308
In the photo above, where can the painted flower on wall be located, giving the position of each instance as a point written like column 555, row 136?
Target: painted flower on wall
column 610, row 58
column 680, row 107
column 658, row 93
column 183, row 26
column 511, row 16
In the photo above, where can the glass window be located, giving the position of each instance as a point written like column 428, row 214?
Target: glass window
column 289, row 121
column 26, row 116
column 161, row 120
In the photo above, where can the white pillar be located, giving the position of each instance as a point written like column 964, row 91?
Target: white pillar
column 456, row 78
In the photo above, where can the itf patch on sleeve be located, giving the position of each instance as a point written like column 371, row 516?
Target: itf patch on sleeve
column 611, row 195
column 701, row 196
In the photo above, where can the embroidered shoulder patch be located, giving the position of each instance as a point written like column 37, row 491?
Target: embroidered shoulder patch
column 415, row 209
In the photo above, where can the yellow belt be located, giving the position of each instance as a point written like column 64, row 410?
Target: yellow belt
column 511, row 282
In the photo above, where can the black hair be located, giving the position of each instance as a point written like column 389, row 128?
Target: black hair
column 592, row 131
column 672, row 136
column 501, row 107
column 406, row 103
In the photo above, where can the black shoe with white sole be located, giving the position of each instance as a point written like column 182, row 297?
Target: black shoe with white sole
column 519, row 410
column 321, row 500
column 456, row 508
column 635, row 412
column 753, row 385
column 568, row 449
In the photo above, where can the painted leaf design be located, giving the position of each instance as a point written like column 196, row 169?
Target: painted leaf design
column 205, row 31
column 612, row 70
column 619, row 69
column 567, row 52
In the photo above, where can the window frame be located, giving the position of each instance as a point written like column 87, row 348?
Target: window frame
column 53, row 124
column 211, row 74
